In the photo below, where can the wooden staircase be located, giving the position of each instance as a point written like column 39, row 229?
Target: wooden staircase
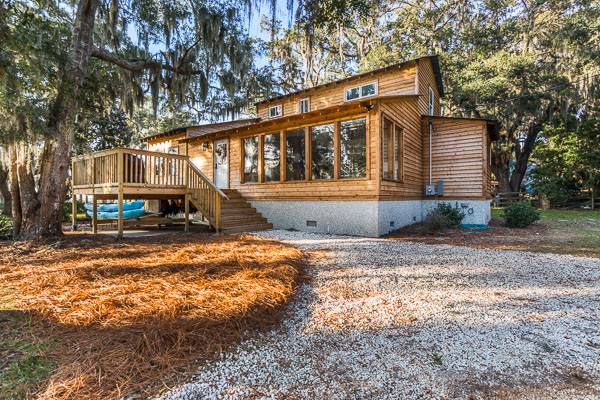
column 225, row 209
column 237, row 215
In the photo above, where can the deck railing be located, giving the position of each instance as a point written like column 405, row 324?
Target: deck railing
column 131, row 167
column 123, row 167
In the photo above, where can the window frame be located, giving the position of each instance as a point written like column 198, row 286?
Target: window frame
column 243, row 160
column 261, row 161
column 275, row 107
column 308, row 152
column 395, row 125
column 360, row 86
column 307, row 99
column 431, row 104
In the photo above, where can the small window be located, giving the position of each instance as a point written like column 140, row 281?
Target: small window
column 304, row 106
column 358, row 92
column 251, row 159
column 275, row 111
column 431, row 101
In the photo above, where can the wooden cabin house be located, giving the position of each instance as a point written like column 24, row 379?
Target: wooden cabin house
column 363, row 156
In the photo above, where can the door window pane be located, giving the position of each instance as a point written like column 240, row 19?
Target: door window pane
column 251, row 159
column 322, row 151
column 353, row 148
column 272, row 157
column 295, row 155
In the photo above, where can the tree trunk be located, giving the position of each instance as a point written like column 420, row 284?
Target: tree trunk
column 522, row 155
column 14, row 189
column 42, row 211
column 5, row 191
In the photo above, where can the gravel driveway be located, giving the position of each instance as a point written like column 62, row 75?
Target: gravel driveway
column 383, row 319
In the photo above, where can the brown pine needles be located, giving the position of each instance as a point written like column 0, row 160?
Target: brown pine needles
column 126, row 318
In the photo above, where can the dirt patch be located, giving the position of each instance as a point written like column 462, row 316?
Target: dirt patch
column 545, row 237
column 125, row 318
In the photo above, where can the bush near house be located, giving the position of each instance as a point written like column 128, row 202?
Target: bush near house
column 442, row 217
column 520, row 215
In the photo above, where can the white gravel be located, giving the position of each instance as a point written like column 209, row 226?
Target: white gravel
column 384, row 319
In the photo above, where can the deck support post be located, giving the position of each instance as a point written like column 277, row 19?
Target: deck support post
column 187, row 212
column 94, row 214
column 120, row 217
column 120, row 193
column 73, row 211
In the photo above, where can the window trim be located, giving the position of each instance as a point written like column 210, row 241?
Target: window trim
column 395, row 124
column 431, row 104
column 308, row 174
column 261, row 160
column 276, row 107
column 243, row 160
column 307, row 99
column 360, row 86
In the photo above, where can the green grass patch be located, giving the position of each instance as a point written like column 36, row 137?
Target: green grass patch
column 23, row 364
column 570, row 214
column 497, row 213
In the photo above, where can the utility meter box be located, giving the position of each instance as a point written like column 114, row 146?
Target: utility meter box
column 430, row 190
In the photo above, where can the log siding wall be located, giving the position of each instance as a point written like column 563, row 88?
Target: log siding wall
column 399, row 81
column 459, row 154
column 460, row 146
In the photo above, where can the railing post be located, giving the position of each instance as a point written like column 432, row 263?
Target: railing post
column 120, row 193
column 217, row 212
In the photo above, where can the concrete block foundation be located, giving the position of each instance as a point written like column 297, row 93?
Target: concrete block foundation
column 361, row 218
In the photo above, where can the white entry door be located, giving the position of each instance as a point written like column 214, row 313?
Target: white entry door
column 221, row 158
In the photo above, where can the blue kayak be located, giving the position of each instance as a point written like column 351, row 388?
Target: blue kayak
column 114, row 207
column 127, row 214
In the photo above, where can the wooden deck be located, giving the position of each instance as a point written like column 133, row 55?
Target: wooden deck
column 122, row 173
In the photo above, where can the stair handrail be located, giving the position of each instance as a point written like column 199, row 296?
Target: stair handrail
column 206, row 180
column 209, row 195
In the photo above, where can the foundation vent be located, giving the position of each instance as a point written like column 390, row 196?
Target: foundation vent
column 312, row 224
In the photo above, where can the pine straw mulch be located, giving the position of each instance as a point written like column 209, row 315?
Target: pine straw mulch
column 131, row 317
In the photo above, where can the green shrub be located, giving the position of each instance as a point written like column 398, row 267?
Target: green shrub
column 442, row 217
column 453, row 215
column 5, row 227
column 520, row 214
column 435, row 222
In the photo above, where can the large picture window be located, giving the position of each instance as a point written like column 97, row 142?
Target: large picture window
column 251, row 159
column 353, row 148
column 272, row 157
column 392, row 150
column 322, row 152
column 295, row 155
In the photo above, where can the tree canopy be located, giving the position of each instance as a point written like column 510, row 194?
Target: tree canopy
column 528, row 64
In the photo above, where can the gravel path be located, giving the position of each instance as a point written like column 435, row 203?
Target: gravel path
column 384, row 319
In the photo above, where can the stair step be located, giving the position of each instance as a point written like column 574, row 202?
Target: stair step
column 226, row 205
column 233, row 224
column 248, row 228
column 238, row 211
column 241, row 217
